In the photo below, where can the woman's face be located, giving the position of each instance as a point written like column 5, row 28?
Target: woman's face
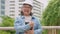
column 26, row 9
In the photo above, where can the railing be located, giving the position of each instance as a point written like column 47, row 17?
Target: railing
column 43, row 27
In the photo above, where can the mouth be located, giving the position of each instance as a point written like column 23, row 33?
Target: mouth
column 27, row 11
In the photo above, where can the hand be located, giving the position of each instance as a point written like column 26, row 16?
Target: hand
column 31, row 24
column 29, row 32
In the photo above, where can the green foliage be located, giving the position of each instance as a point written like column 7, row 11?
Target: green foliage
column 4, row 32
column 7, row 22
column 51, row 16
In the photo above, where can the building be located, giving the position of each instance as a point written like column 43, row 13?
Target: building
column 37, row 8
column 13, row 8
column 10, row 6
column 2, row 7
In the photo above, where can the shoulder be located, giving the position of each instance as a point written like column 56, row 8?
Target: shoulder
column 36, row 18
column 18, row 17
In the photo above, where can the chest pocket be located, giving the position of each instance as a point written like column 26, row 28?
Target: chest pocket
column 21, row 22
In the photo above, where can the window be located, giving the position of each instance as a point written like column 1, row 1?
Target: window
column 12, row 1
column 19, row 7
column 21, row 0
column 12, row 7
column 12, row 11
column 2, row 12
column 3, row 1
column 12, row 15
column 37, row 13
column 36, row 4
column 12, row 4
column 37, row 7
column 2, row 7
column 20, row 3
column 19, row 14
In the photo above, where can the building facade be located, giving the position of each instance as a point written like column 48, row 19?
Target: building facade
column 2, row 7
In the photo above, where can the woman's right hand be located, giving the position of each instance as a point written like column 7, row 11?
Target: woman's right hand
column 31, row 24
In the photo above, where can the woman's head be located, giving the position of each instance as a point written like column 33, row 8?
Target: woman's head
column 26, row 10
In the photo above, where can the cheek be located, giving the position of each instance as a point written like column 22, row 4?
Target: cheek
column 23, row 9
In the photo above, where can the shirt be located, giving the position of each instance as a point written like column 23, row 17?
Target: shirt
column 27, row 18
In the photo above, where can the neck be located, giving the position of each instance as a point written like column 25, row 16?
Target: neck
column 26, row 15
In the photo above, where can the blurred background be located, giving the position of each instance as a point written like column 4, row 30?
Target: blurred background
column 48, row 11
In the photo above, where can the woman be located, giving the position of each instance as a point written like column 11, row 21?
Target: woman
column 27, row 23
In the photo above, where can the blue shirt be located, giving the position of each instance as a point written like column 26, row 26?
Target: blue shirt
column 20, row 26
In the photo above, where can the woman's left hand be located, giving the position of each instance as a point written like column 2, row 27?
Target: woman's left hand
column 30, row 32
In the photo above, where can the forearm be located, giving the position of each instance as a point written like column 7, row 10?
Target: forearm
column 22, row 28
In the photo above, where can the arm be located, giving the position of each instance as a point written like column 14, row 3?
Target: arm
column 19, row 27
column 39, row 30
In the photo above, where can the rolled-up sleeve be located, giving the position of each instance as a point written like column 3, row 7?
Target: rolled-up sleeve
column 19, row 27
column 39, row 30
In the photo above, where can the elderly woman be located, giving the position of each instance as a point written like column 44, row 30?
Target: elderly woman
column 27, row 23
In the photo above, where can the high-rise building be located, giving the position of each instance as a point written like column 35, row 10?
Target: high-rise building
column 2, row 7
column 13, row 8
column 10, row 8
column 37, row 8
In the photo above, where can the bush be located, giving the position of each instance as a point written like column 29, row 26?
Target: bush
column 7, row 22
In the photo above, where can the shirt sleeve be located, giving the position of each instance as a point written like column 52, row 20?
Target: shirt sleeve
column 19, row 27
column 39, row 30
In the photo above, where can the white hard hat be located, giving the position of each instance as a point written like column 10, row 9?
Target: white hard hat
column 30, row 2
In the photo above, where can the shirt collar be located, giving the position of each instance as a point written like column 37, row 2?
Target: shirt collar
column 24, row 17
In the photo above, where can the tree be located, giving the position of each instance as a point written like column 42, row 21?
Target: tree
column 51, row 15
